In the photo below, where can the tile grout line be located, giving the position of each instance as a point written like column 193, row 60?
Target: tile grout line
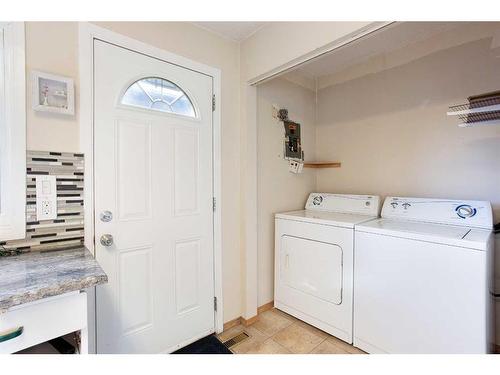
column 296, row 323
column 291, row 323
column 277, row 343
column 322, row 341
column 282, row 329
column 272, row 336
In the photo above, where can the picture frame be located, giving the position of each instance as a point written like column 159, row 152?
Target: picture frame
column 53, row 93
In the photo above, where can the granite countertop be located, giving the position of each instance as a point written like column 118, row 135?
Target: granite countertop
column 36, row 275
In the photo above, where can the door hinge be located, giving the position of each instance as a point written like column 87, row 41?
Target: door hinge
column 215, row 303
column 213, row 102
column 214, row 203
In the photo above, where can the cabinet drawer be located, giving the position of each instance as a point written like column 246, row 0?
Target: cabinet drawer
column 43, row 320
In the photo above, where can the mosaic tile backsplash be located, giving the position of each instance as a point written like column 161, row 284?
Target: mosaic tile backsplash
column 67, row 229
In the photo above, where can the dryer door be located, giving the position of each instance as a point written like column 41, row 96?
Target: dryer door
column 312, row 267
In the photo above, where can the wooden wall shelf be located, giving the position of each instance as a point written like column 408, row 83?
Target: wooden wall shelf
column 321, row 164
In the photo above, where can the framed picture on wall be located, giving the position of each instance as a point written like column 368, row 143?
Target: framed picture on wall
column 53, row 93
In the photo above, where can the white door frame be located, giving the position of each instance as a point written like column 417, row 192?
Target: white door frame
column 87, row 33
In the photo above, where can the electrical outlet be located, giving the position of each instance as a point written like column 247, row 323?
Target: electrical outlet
column 46, row 208
column 46, row 198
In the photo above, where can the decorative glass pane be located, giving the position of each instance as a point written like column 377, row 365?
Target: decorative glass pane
column 160, row 95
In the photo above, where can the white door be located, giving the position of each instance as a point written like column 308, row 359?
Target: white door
column 153, row 185
column 312, row 267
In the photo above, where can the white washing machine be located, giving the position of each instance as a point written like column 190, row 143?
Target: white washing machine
column 422, row 278
column 314, row 259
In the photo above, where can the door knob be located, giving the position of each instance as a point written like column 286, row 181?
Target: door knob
column 106, row 240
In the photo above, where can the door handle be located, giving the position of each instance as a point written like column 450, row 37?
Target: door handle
column 11, row 334
column 106, row 240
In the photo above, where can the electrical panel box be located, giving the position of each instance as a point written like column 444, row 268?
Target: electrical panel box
column 293, row 148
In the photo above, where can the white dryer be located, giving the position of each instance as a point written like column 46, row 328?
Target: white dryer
column 314, row 259
column 423, row 276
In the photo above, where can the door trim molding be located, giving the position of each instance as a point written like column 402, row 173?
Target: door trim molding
column 87, row 33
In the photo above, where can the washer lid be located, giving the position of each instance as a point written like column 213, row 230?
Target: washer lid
column 344, row 220
column 438, row 233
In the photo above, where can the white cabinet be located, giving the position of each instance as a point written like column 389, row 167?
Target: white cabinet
column 12, row 131
column 33, row 323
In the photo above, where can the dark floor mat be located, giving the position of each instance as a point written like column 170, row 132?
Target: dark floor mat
column 206, row 345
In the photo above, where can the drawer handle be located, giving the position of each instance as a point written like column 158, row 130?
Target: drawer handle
column 11, row 334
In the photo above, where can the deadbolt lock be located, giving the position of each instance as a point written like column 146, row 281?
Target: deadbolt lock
column 106, row 216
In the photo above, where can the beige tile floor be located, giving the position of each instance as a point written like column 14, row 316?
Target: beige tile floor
column 278, row 333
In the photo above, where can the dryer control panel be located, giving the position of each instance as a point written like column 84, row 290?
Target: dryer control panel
column 441, row 211
column 345, row 203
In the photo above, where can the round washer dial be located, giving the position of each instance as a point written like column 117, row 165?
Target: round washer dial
column 465, row 211
column 317, row 200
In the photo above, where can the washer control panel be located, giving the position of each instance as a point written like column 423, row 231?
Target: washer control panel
column 346, row 203
column 444, row 211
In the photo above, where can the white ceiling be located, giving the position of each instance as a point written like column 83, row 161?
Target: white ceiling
column 236, row 31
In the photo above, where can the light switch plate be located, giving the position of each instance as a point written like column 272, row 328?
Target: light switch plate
column 275, row 111
column 46, row 198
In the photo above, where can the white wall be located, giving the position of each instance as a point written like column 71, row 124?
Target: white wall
column 267, row 51
column 278, row 189
column 392, row 135
column 53, row 47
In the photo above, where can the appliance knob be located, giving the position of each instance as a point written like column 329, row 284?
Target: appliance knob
column 317, row 200
column 406, row 205
column 394, row 204
column 465, row 211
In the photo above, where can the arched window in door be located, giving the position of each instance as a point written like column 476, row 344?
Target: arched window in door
column 158, row 94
